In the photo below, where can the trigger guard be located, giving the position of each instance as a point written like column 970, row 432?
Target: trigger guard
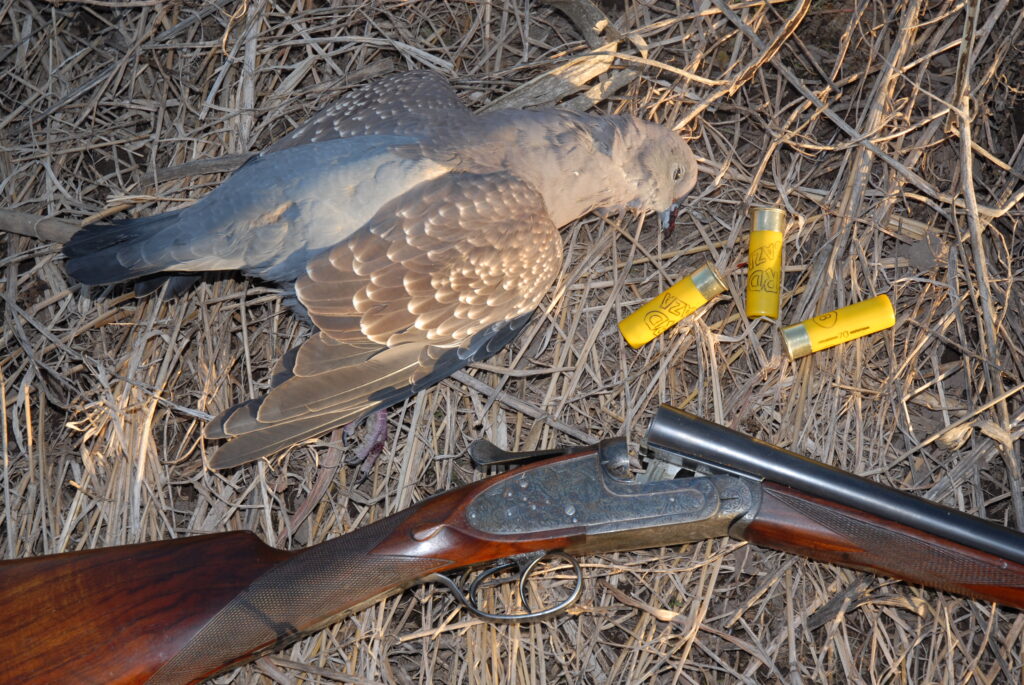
column 526, row 564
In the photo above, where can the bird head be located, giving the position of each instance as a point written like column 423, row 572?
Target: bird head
column 663, row 168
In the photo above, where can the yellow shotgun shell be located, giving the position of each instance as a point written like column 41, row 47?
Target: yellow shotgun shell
column 764, row 261
column 839, row 326
column 665, row 310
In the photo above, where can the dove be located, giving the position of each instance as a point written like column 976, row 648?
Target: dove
column 415, row 235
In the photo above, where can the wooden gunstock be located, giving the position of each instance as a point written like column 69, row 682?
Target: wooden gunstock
column 801, row 524
column 114, row 615
column 179, row 611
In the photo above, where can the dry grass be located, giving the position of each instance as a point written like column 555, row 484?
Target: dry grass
column 891, row 132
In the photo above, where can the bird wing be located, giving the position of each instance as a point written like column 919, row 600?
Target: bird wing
column 420, row 101
column 441, row 277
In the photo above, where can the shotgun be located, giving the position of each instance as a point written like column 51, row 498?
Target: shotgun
column 180, row 611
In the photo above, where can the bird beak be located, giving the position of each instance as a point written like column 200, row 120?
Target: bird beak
column 668, row 219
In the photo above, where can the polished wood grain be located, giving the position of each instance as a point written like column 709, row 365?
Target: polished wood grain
column 114, row 615
column 801, row 524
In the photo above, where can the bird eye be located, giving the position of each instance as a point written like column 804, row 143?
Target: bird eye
column 677, row 173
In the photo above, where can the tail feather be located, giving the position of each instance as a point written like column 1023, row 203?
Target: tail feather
column 99, row 254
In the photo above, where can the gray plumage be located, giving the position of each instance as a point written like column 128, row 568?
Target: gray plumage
column 418, row 237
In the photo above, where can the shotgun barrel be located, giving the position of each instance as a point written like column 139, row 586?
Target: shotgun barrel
column 691, row 438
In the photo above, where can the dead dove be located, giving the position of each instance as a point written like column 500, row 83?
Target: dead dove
column 417, row 236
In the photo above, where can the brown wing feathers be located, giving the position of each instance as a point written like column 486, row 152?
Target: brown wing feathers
column 452, row 257
column 416, row 294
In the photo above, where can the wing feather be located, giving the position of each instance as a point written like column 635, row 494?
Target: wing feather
column 420, row 101
column 441, row 277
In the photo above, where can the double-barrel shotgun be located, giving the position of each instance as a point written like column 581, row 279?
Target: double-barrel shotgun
column 179, row 611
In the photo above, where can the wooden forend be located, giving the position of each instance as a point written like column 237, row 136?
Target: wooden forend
column 791, row 521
